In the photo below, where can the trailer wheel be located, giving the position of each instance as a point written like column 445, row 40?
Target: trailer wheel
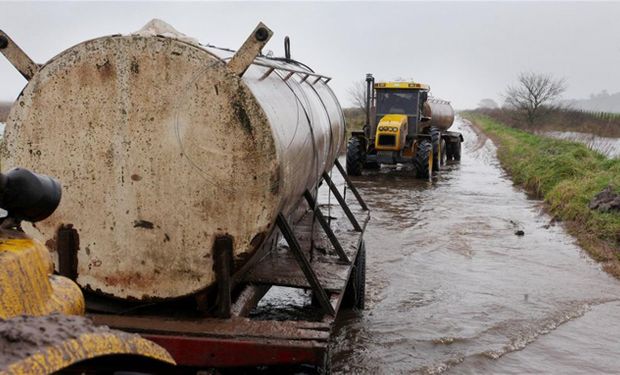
column 456, row 154
column 435, row 139
column 360, row 266
column 355, row 292
column 326, row 367
column 449, row 150
column 423, row 161
column 355, row 156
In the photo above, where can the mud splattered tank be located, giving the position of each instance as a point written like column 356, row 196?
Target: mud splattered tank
column 161, row 148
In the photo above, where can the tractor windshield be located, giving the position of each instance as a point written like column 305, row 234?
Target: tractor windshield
column 403, row 102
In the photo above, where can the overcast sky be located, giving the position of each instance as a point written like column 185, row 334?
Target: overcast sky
column 465, row 51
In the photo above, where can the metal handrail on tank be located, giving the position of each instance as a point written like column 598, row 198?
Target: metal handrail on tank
column 291, row 70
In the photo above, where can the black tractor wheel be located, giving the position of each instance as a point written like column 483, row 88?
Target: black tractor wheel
column 423, row 161
column 356, row 156
column 449, row 150
column 456, row 155
column 435, row 140
column 355, row 292
column 444, row 153
column 371, row 164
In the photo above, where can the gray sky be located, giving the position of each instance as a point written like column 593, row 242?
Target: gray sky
column 465, row 51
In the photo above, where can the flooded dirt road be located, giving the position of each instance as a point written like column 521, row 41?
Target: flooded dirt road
column 450, row 287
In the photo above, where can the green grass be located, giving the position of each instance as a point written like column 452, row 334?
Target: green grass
column 567, row 175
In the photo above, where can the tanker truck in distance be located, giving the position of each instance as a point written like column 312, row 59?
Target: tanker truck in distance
column 404, row 124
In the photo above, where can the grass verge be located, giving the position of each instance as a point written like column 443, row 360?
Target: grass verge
column 567, row 175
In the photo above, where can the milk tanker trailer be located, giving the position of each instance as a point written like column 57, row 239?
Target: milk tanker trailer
column 190, row 177
column 404, row 125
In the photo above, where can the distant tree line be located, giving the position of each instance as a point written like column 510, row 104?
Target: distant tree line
column 5, row 107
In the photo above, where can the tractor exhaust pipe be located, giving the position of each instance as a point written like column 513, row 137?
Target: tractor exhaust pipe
column 370, row 82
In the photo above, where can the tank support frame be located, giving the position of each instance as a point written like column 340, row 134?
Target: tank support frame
column 237, row 339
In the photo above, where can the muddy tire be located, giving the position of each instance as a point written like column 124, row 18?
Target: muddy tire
column 326, row 366
column 435, row 139
column 355, row 292
column 371, row 164
column 356, row 155
column 449, row 150
column 360, row 277
column 423, row 161
column 444, row 153
column 456, row 155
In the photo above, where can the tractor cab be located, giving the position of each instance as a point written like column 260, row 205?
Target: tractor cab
column 397, row 108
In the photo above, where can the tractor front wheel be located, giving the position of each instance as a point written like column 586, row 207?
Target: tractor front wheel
column 423, row 161
column 371, row 164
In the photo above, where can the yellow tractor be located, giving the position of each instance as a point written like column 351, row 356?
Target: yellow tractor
column 42, row 327
column 405, row 125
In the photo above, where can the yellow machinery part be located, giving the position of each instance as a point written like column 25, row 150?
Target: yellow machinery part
column 402, row 85
column 44, row 345
column 27, row 286
column 41, row 330
column 391, row 127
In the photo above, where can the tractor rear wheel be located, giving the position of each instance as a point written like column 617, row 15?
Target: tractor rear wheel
column 356, row 156
column 423, row 161
column 444, row 153
column 436, row 139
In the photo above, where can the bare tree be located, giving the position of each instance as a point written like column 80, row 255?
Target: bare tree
column 534, row 92
column 357, row 94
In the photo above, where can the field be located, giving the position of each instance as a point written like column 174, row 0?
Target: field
column 567, row 175
column 597, row 123
column 354, row 118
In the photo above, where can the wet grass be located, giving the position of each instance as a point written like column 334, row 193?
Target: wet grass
column 567, row 175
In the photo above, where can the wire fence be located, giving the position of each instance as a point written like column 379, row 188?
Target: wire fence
column 611, row 116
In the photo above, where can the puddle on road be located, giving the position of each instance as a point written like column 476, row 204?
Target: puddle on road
column 451, row 287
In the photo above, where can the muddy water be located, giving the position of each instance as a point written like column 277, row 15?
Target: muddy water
column 450, row 287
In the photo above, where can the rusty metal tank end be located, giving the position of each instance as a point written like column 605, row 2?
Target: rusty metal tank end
column 440, row 113
column 192, row 142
